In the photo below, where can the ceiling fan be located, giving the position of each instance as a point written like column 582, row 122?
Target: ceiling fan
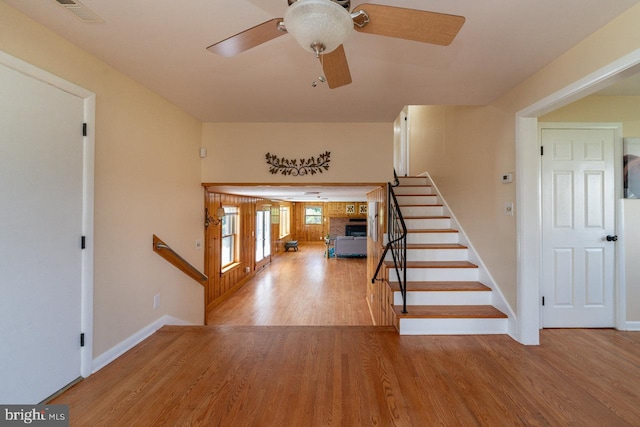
column 322, row 26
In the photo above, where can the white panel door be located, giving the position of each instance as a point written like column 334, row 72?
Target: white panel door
column 578, row 212
column 41, row 207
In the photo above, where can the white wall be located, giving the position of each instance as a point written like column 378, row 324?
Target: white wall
column 631, row 240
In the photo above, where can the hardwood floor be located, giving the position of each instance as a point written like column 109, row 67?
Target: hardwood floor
column 243, row 371
column 300, row 288
column 363, row 376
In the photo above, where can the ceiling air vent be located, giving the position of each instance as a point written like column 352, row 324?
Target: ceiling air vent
column 79, row 10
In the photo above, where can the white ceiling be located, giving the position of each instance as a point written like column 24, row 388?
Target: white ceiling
column 161, row 44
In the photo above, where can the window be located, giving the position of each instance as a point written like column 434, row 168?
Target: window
column 230, row 240
column 313, row 215
column 285, row 222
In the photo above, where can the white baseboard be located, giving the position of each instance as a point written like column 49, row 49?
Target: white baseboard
column 119, row 349
column 631, row 326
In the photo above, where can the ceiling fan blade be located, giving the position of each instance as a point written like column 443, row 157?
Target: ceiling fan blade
column 247, row 39
column 411, row 24
column 336, row 68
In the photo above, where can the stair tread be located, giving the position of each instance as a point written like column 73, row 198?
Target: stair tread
column 429, row 205
column 435, row 264
column 435, row 246
column 442, row 286
column 433, row 230
column 449, row 312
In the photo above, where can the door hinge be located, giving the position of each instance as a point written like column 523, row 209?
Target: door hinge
column 83, row 242
column 542, row 300
column 541, row 150
column 82, row 339
column 84, row 129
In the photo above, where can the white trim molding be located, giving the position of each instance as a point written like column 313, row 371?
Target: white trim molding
column 631, row 326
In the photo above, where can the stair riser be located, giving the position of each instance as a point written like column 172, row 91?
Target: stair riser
column 416, row 200
column 415, row 180
column 471, row 326
column 421, row 210
column 443, row 298
column 421, row 238
column 437, row 274
column 437, row 255
column 413, row 190
column 426, row 224
column 433, row 255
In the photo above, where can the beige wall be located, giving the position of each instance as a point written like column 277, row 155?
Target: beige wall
column 595, row 109
column 456, row 146
column 360, row 152
column 468, row 148
column 147, row 180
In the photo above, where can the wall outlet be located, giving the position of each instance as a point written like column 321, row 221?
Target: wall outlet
column 156, row 301
column 247, row 269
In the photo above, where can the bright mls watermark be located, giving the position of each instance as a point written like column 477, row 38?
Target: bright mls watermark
column 34, row 415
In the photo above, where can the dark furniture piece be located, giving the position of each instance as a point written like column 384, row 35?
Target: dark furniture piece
column 292, row 244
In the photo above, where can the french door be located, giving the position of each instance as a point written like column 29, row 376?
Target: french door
column 263, row 237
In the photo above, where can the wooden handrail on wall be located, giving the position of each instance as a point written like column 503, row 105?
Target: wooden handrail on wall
column 162, row 249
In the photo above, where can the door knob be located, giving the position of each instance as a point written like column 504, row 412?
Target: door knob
column 612, row 238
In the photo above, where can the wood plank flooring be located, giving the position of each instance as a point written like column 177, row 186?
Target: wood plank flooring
column 363, row 376
column 243, row 371
column 300, row 288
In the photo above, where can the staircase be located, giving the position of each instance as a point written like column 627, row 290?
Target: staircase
column 444, row 294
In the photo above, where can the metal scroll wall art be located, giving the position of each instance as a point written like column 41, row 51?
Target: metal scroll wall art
column 312, row 165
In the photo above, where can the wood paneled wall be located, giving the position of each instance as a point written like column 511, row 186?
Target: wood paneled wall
column 379, row 296
column 222, row 284
column 316, row 233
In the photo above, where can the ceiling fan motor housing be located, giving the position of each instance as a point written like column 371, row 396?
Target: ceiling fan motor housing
column 344, row 3
column 319, row 26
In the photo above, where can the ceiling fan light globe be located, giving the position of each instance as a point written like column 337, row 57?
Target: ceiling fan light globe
column 315, row 22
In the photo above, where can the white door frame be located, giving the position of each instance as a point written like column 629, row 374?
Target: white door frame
column 528, row 178
column 86, row 322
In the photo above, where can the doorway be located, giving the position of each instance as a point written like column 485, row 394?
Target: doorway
column 263, row 237
column 528, row 193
